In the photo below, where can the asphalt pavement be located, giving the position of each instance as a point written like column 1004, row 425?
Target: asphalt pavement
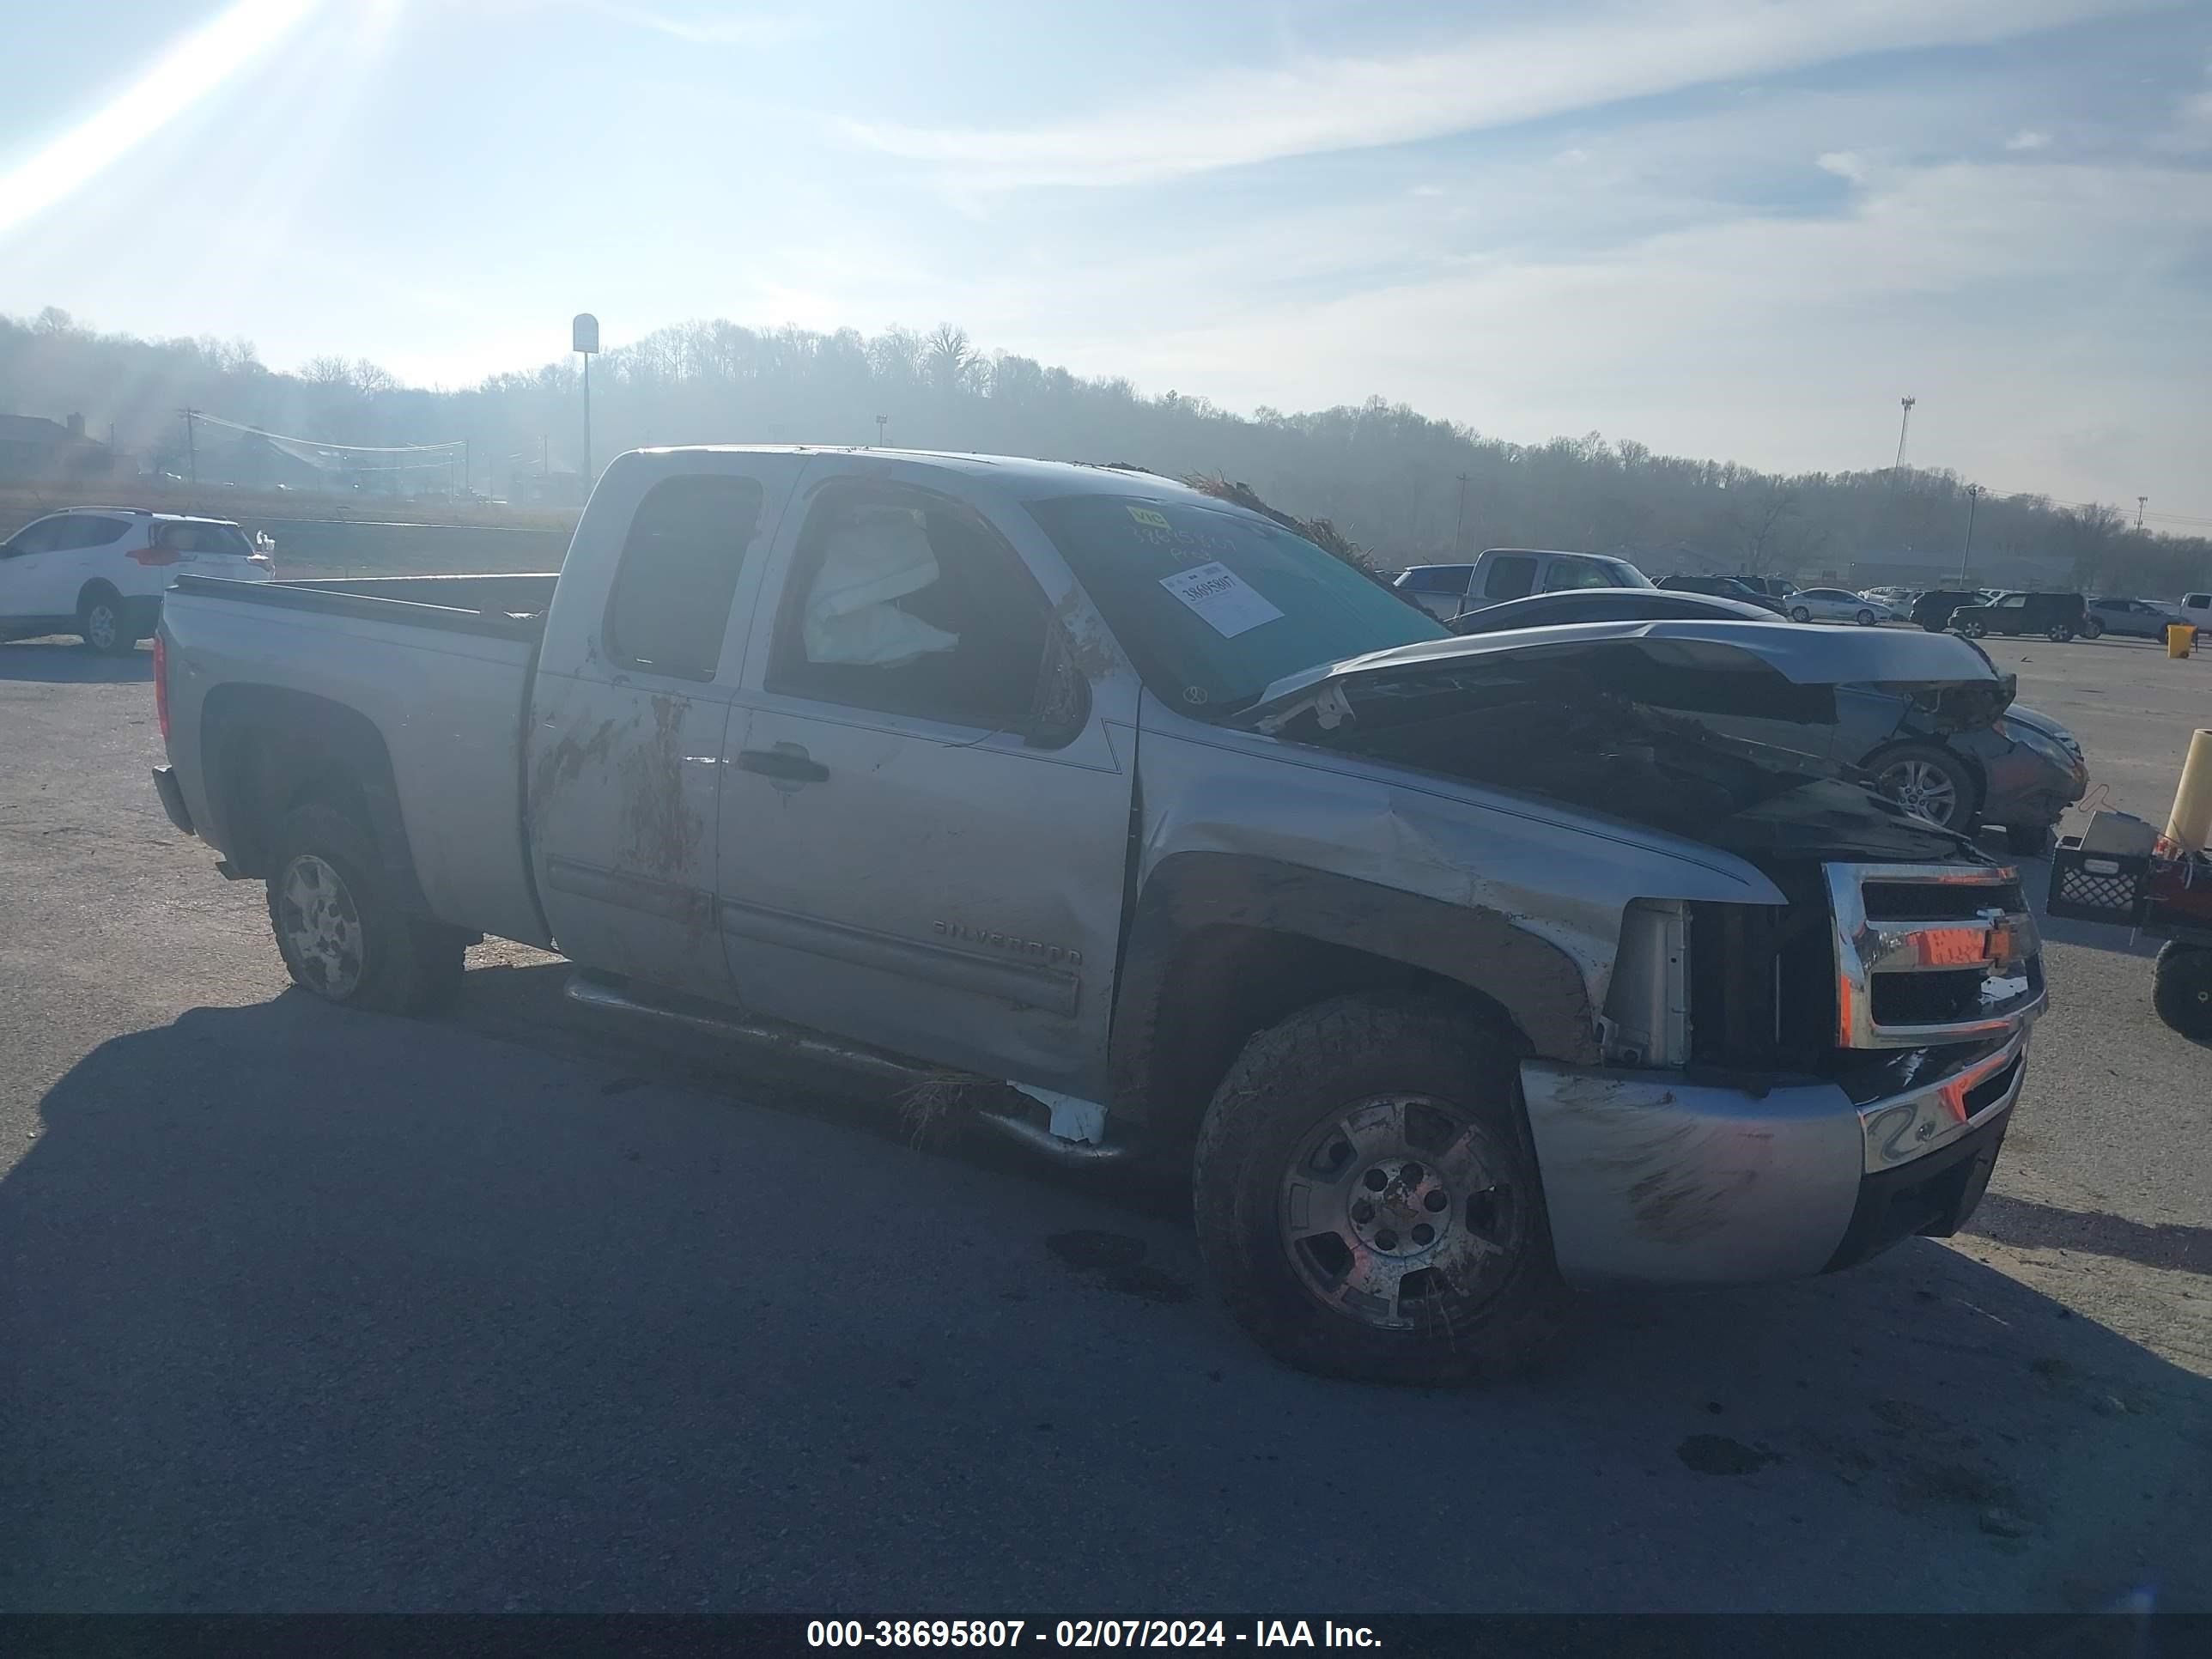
column 304, row 1309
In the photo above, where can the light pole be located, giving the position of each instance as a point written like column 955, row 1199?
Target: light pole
column 882, row 421
column 1973, row 497
column 2142, row 501
column 1902, row 427
column 584, row 337
column 1459, row 524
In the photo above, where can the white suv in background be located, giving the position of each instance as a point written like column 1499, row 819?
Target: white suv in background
column 100, row 571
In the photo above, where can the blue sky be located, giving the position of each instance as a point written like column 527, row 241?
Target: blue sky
column 1741, row 229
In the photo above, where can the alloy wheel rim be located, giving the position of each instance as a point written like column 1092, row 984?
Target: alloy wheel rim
column 1394, row 1212
column 322, row 924
column 1921, row 788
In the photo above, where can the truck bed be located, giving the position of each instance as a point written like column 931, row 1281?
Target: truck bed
column 504, row 606
column 440, row 667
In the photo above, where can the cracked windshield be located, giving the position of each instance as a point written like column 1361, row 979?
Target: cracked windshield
column 1280, row 825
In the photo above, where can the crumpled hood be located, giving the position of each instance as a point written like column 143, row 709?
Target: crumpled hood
column 1703, row 666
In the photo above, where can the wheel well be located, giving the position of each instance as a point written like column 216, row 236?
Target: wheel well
column 93, row 589
column 269, row 750
column 1228, row 982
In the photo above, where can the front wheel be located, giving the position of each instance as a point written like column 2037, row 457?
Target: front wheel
column 338, row 930
column 1367, row 1198
column 1929, row 782
column 2181, row 989
column 1865, row 619
column 2093, row 629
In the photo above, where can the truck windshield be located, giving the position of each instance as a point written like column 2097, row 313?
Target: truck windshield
column 1213, row 604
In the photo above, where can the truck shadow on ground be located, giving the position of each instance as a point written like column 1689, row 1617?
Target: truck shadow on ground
column 2030, row 1225
column 312, row 1310
column 66, row 662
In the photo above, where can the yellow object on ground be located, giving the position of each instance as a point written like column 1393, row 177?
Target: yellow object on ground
column 2180, row 636
column 2190, row 824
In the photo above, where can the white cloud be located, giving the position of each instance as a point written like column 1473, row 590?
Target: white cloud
column 1505, row 76
column 1844, row 164
column 2028, row 138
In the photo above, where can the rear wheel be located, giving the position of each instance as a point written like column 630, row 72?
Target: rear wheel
column 1800, row 614
column 1927, row 781
column 1974, row 628
column 101, row 622
column 2059, row 633
column 2181, row 988
column 341, row 935
column 1367, row 1199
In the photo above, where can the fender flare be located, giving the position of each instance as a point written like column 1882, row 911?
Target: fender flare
column 1538, row 985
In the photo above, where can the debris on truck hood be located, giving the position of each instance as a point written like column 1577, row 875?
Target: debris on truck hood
column 1606, row 717
column 1746, row 665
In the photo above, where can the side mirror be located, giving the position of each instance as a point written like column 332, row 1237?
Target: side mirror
column 1063, row 707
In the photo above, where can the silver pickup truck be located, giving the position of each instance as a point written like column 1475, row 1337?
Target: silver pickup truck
column 1461, row 970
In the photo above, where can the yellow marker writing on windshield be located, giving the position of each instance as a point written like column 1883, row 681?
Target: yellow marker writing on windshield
column 1145, row 515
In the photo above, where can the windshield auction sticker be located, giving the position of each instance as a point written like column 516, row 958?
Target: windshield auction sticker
column 1229, row 604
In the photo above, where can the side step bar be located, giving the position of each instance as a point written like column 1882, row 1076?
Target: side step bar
column 599, row 991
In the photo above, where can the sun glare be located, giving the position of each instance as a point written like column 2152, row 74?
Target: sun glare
column 181, row 78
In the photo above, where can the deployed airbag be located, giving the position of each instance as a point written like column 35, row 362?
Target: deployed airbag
column 873, row 559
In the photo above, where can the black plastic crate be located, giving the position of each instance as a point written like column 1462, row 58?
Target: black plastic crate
column 2097, row 886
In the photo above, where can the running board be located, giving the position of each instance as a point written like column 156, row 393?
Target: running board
column 595, row 991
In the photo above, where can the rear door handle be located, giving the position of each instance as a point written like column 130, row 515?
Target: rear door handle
column 786, row 759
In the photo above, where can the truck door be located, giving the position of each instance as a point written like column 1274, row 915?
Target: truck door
column 925, row 817
column 627, row 712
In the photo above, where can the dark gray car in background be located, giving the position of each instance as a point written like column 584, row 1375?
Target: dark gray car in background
column 2014, row 769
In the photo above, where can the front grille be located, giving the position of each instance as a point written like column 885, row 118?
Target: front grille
column 1930, row 954
column 1904, row 901
column 1928, row 999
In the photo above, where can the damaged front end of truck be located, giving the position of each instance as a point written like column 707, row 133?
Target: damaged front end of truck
column 1787, row 1086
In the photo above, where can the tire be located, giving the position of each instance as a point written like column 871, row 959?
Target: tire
column 340, row 933
column 2093, row 629
column 1801, row 614
column 2060, row 634
column 1865, row 619
column 1929, row 780
column 1974, row 630
column 2181, row 989
column 1413, row 1079
column 2030, row 841
column 102, row 622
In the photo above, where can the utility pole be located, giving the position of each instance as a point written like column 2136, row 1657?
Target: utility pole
column 882, row 421
column 191, row 453
column 1974, row 497
column 2142, row 501
column 583, row 338
column 1904, row 427
column 1459, row 524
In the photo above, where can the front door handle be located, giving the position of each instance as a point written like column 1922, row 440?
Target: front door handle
column 786, row 759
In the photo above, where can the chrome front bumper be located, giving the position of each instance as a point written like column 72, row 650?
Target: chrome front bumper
column 1650, row 1177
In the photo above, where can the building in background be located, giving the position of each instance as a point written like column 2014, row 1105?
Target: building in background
column 35, row 450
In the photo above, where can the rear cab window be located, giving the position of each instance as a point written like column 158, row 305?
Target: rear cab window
column 1510, row 577
column 1214, row 605
column 669, row 606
